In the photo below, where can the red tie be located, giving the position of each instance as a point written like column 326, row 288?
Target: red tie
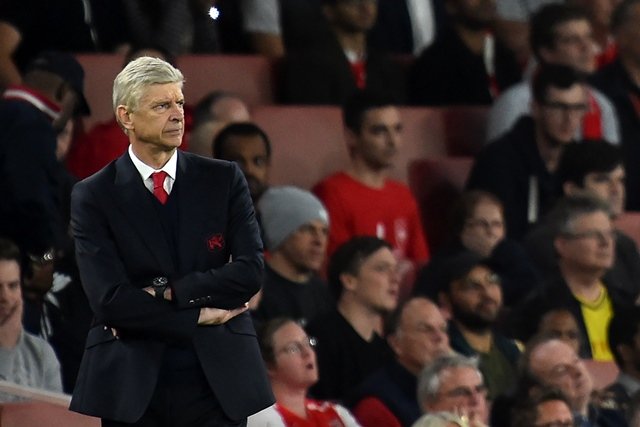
column 158, row 186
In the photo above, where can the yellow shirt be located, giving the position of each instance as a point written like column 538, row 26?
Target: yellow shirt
column 597, row 315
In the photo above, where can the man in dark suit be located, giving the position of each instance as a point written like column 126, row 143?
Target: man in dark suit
column 169, row 253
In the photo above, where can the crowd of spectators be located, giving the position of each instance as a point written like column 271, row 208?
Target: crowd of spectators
column 358, row 323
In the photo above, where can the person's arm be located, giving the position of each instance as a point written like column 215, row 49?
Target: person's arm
column 235, row 283
column 10, row 36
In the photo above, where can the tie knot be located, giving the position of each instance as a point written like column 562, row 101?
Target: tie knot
column 158, row 179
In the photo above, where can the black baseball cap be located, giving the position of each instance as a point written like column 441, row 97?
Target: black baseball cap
column 68, row 68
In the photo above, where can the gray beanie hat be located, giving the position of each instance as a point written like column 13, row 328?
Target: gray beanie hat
column 285, row 209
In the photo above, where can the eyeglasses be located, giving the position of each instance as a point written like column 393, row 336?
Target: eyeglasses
column 467, row 392
column 600, row 235
column 484, row 223
column 297, row 347
column 566, row 107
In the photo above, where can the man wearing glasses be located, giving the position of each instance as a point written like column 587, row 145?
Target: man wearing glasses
column 519, row 166
column 549, row 362
column 584, row 243
column 454, row 384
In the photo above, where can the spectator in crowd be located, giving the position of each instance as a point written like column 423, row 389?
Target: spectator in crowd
column 57, row 310
column 620, row 82
column 584, row 246
column 465, row 65
column 454, row 384
column 549, row 407
column 362, row 200
column 551, row 363
column 249, row 146
column 290, row 358
column 471, row 293
column 625, row 345
column 560, row 35
column 212, row 113
column 595, row 168
column 31, row 117
column 560, row 323
column 477, row 223
column 278, row 27
column 107, row 141
column 24, row 358
column 332, row 71
column 442, row 419
column 417, row 334
column 295, row 226
column 365, row 282
column 518, row 167
column 513, row 25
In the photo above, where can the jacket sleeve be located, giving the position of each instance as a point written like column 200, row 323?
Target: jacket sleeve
column 234, row 283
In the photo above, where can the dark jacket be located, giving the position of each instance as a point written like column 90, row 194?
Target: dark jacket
column 448, row 73
column 512, row 169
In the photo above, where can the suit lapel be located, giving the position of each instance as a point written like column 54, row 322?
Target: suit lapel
column 132, row 199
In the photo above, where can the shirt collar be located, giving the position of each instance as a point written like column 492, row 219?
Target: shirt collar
column 145, row 170
column 35, row 98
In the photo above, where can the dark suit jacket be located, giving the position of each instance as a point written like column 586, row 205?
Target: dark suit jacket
column 121, row 246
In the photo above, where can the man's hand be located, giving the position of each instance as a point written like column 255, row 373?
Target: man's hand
column 210, row 316
column 151, row 291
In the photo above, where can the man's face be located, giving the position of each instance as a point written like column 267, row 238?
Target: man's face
column 553, row 413
column 562, row 325
column 555, row 364
column 295, row 359
column 379, row 139
column 560, row 116
column 352, row 16
column 157, row 123
column 476, row 299
column 589, row 245
column 421, row 336
column 573, row 46
column 474, row 14
column 10, row 292
column 250, row 153
column 377, row 283
column 461, row 389
column 628, row 36
column 484, row 229
column 609, row 187
column 305, row 248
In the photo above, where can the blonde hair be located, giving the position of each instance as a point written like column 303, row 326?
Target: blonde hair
column 129, row 85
